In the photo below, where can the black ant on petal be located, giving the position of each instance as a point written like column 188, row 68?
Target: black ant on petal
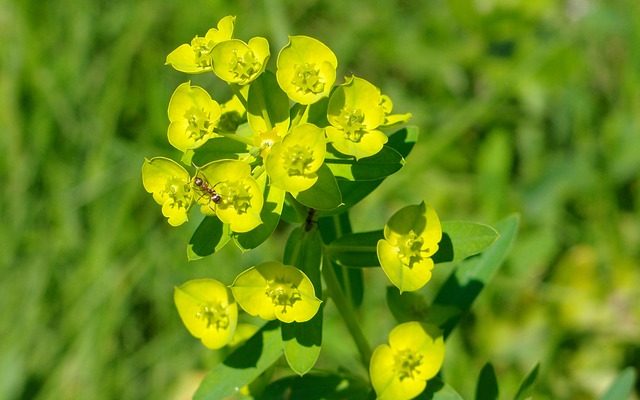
column 207, row 190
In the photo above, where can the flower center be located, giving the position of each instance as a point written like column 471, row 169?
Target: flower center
column 235, row 194
column 298, row 160
column 202, row 50
column 199, row 123
column 282, row 293
column 215, row 316
column 177, row 193
column 407, row 364
column 307, row 79
column 352, row 122
column 410, row 249
column 245, row 66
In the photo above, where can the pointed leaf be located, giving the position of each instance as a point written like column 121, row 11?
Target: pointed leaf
column 471, row 276
column 487, row 386
column 219, row 148
column 242, row 366
column 316, row 386
column 463, row 239
column 438, row 390
column 527, row 384
column 378, row 166
column 210, row 236
column 324, row 194
column 622, row 387
column 270, row 215
column 302, row 341
column 268, row 105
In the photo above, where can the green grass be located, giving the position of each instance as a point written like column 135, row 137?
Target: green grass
column 531, row 107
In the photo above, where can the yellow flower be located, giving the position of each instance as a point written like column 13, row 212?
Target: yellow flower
column 171, row 187
column 411, row 238
column 235, row 61
column 400, row 370
column 195, row 58
column 208, row 311
column 273, row 290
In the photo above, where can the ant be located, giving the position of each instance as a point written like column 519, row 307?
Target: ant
column 310, row 220
column 207, row 190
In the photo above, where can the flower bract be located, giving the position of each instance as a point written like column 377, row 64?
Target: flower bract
column 273, row 290
column 193, row 116
column 306, row 69
column 355, row 113
column 226, row 189
column 411, row 237
column 400, row 370
column 235, row 61
column 392, row 119
column 195, row 57
column 170, row 186
column 293, row 163
column 208, row 311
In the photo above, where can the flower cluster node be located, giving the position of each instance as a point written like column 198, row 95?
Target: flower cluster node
column 214, row 316
column 199, row 123
column 202, row 51
column 407, row 364
column 307, row 78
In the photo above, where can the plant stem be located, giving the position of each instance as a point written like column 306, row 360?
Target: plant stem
column 236, row 90
column 237, row 138
column 346, row 311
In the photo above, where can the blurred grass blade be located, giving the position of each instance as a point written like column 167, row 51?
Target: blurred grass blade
column 471, row 276
column 210, row 236
column 243, row 365
column 527, row 384
column 622, row 387
column 487, row 386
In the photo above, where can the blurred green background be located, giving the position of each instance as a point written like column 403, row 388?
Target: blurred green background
column 524, row 106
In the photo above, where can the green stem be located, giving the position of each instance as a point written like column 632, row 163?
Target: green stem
column 237, row 138
column 346, row 311
column 300, row 115
column 236, row 90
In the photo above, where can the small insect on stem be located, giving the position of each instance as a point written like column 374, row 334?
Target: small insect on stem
column 207, row 190
column 309, row 221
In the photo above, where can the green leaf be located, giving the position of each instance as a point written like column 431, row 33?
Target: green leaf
column 243, row 365
column 302, row 341
column 356, row 249
column 487, row 386
column 219, row 148
column 463, row 239
column 378, row 166
column 622, row 387
column 317, row 386
column 459, row 241
column 324, row 194
column 402, row 141
column 412, row 306
column 438, row 390
column 268, row 105
column 527, row 384
column 471, row 276
column 210, row 236
column 270, row 214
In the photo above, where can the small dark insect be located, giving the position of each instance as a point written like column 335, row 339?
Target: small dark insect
column 207, row 190
column 309, row 221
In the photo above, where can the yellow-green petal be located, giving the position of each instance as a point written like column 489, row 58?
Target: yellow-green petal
column 405, row 277
column 241, row 199
column 208, row 311
column 274, row 290
column 195, row 57
column 193, row 115
column 292, row 164
column 235, row 61
column 425, row 340
column 385, row 380
column 169, row 183
column 306, row 69
column 370, row 143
